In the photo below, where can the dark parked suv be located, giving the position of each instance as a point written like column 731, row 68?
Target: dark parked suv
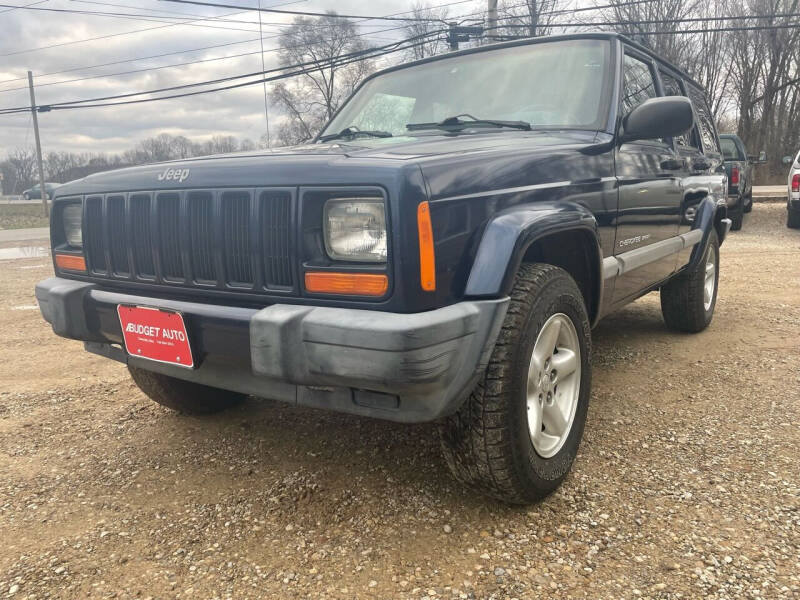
column 739, row 168
column 440, row 252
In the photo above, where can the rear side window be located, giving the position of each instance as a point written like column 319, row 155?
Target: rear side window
column 637, row 83
column 704, row 120
column 673, row 87
column 729, row 149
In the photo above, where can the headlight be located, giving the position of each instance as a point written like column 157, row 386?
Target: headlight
column 72, row 216
column 355, row 229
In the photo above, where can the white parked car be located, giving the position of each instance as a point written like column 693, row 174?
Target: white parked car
column 793, row 182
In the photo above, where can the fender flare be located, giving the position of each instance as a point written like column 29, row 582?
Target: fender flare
column 711, row 214
column 509, row 234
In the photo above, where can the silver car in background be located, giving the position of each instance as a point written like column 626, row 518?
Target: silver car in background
column 793, row 192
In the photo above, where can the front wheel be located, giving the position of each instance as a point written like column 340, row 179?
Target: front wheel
column 517, row 435
column 183, row 396
column 26, row 197
column 688, row 299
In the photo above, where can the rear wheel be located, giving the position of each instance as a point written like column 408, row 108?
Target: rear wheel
column 183, row 396
column 793, row 219
column 517, row 435
column 748, row 202
column 688, row 299
column 737, row 218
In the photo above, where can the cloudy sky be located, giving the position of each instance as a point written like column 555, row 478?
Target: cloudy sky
column 52, row 45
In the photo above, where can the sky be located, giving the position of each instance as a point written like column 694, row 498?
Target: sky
column 172, row 28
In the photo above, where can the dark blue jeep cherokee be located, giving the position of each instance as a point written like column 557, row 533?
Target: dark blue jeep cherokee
column 440, row 251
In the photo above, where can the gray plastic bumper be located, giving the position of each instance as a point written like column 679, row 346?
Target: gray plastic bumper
column 403, row 367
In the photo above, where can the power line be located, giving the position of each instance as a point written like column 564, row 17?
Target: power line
column 183, row 51
column 656, row 21
column 111, row 35
column 337, row 63
column 134, row 17
column 26, row 6
column 152, row 17
column 307, row 13
column 153, row 11
column 101, row 37
column 359, row 54
column 674, row 32
column 159, row 67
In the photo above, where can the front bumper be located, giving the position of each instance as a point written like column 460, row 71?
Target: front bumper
column 402, row 367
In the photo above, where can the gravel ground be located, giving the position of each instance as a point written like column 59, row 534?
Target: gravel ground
column 687, row 484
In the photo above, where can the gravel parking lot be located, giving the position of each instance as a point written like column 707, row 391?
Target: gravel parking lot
column 687, row 484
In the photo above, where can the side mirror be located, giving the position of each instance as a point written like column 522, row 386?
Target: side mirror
column 657, row 118
column 787, row 160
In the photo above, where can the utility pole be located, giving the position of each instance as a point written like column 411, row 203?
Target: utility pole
column 491, row 19
column 263, row 74
column 42, row 189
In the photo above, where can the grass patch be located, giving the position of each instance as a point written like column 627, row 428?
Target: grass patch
column 22, row 216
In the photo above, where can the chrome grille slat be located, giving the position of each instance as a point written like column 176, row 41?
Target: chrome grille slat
column 95, row 244
column 143, row 244
column 236, row 228
column 201, row 213
column 117, row 236
column 169, row 234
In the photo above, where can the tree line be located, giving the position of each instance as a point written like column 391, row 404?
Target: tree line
column 19, row 168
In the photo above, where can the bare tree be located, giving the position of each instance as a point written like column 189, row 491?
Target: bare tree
column 23, row 163
column 329, row 44
column 767, row 81
column 219, row 144
column 428, row 21
column 530, row 18
column 639, row 21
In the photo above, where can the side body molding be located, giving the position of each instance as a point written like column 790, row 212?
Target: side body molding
column 509, row 234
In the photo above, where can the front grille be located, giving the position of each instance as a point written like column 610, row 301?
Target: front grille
column 237, row 240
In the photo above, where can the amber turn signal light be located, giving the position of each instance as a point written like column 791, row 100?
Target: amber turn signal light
column 353, row 284
column 70, row 262
column 427, row 258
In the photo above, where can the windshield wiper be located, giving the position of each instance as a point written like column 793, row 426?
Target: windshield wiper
column 456, row 123
column 352, row 132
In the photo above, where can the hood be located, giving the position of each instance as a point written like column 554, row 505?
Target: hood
column 368, row 161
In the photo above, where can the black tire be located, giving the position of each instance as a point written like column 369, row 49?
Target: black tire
column 793, row 219
column 26, row 197
column 737, row 217
column 682, row 298
column 486, row 443
column 748, row 202
column 183, row 396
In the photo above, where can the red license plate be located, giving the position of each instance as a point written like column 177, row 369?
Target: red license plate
column 155, row 334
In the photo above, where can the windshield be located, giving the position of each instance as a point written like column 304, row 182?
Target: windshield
column 551, row 85
column 729, row 149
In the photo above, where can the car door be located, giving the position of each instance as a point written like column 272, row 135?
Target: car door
column 649, row 181
column 693, row 172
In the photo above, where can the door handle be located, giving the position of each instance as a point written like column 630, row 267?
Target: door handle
column 672, row 164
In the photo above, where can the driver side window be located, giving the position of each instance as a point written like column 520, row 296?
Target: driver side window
column 638, row 84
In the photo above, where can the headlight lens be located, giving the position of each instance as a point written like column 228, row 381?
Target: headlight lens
column 72, row 217
column 355, row 229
